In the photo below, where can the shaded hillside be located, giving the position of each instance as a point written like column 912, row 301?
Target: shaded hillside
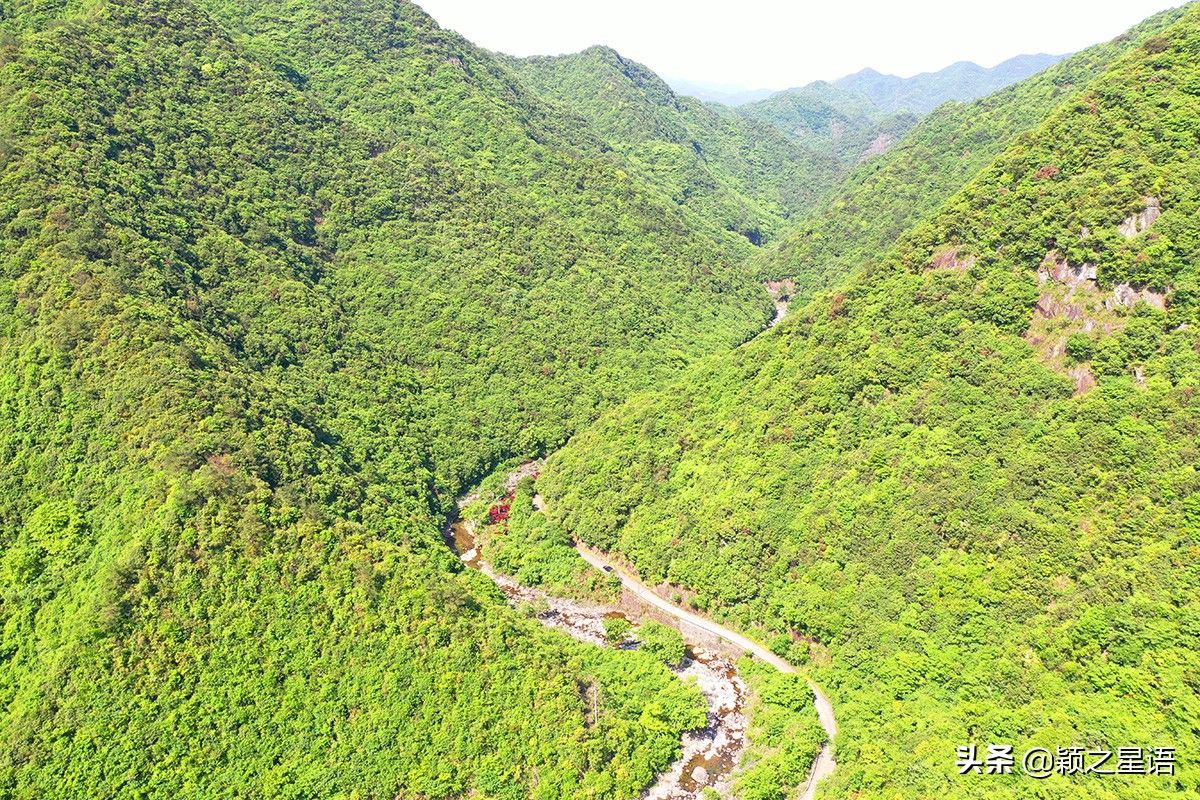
column 962, row 81
column 886, row 195
column 527, row 273
column 907, row 482
column 739, row 173
column 277, row 279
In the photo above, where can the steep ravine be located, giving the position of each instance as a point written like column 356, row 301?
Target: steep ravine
column 709, row 756
column 824, row 764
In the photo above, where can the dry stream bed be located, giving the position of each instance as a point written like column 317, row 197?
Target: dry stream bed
column 710, row 754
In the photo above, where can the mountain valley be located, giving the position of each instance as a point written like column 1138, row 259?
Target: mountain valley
column 387, row 417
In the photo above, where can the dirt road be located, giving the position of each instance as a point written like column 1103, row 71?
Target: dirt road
column 824, row 764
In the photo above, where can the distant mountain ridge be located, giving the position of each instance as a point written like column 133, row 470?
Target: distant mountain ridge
column 963, row 81
column 864, row 114
column 753, row 166
column 847, row 124
column 745, row 173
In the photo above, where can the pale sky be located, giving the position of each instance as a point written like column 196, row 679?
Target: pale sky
column 775, row 45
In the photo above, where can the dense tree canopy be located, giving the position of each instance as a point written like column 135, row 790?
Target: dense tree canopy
column 734, row 169
column 885, row 196
column 280, row 280
column 277, row 279
column 977, row 546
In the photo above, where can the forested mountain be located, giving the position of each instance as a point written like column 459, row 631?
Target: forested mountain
column 827, row 118
column 883, row 197
column 278, row 278
column 537, row 278
column 280, row 281
column 962, row 81
column 963, row 485
column 739, row 172
column 862, row 115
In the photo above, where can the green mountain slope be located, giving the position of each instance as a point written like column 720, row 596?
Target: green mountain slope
column 964, row 485
column 277, row 279
column 885, row 196
column 522, row 268
column 740, row 173
column 830, row 119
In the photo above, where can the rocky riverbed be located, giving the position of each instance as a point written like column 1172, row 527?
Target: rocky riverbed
column 709, row 755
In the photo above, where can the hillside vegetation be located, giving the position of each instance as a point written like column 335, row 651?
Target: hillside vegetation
column 843, row 123
column 519, row 266
column 738, row 172
column 277, row 280
column 885, row 196
column 280, row 281
column 902, row 479
column 862, row 115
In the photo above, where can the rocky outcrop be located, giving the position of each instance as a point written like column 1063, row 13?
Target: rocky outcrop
column 879, row 144
column 782, row 289
column 1136, row 223
column 781, row 294
column 951, row 260
column 1070, row 301
column 1059, row 270
column 1050, row 307
column 1124, row 294
column 1083, row 378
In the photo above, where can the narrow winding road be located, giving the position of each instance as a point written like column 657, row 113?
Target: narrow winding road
column 824, row 765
